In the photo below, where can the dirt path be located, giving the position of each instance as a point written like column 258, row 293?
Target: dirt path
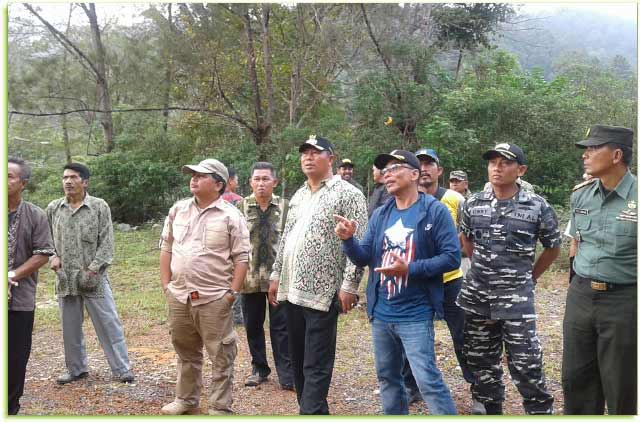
column 354, row 389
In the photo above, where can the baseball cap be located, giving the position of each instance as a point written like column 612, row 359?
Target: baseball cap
column 397, row 154
column 458, row 175
column 346, row 163
column 317, row 142
column 508, row 151
column 428, row 152
column 601, row 134
column 208, row 166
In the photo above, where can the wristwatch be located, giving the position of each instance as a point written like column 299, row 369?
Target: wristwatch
column 12, row 274
column 234, row 293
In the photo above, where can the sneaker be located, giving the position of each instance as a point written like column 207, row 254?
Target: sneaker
column 179, row 408
column 127, row 377
column 67, row 378
column 287, row 387
column 255, row 379
column 477, row 408
column 218, row 412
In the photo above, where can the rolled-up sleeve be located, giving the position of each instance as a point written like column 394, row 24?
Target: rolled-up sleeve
column 166, row 237
column 240, row 243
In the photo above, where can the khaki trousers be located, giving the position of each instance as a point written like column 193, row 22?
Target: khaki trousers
column 210, row 325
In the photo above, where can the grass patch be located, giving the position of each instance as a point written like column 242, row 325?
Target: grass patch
column 135, row 282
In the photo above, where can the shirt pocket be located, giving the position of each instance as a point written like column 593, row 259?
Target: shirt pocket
column 179, row 229
column 625, row 238
column 481, row 227
column 216, row 236
column 521, row 236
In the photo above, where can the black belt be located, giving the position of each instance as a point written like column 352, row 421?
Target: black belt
column 603, row 286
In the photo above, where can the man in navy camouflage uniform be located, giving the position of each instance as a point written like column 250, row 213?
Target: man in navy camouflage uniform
column 500, row 228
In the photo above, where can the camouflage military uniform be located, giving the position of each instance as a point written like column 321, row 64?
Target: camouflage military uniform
column 498, row 294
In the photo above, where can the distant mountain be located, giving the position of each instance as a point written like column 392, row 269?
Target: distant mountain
column 540, row 40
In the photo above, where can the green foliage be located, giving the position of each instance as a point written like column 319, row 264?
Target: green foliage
column 136, row 188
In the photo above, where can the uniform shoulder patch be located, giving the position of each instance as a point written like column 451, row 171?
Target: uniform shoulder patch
column 583, row 184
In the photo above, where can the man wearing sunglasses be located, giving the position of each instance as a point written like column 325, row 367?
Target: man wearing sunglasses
column 409, row 243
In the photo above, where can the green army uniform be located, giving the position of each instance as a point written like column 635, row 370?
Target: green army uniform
column 600, row 353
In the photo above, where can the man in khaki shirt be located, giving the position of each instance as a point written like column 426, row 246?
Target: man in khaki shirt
column 204, row 251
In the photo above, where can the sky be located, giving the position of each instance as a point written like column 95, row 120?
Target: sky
column 627, row 11
column 126, row 12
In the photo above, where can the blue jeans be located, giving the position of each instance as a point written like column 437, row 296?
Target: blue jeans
column 416, row 339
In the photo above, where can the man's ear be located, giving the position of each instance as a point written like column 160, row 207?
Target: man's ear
column 522, row 169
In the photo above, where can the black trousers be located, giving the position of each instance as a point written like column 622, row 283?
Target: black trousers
column 254, row 310
column 312, row 344
column 599, row 360
column 19, row 336
column 454, row 317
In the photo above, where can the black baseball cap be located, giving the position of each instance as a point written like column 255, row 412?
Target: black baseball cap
column 601, row 134
column 397, row 154
column 509, row 151
column 317, row 142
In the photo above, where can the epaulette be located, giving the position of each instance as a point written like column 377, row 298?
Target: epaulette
column 583, row 184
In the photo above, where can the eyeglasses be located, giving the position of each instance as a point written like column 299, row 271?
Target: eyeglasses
column 394, row 168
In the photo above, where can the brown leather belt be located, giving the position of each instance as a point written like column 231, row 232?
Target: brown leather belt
column 603, row 286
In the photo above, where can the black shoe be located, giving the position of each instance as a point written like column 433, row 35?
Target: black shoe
column 287, row 387
column 127, row 377
column 493, row 408
column 67, row 378
column 255, row 380
column 414, row 397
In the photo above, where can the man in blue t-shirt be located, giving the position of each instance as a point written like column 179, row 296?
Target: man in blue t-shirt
column 409, row 243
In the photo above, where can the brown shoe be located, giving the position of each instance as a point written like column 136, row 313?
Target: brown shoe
column 179, row 408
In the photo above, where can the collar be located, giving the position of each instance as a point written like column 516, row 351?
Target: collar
column 329, row 181
column 624, row 185
column 252, row 201
column 86, row 201
column 520, row 196
column 215, row 204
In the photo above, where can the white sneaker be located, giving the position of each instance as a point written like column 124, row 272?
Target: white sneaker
column 179, row 408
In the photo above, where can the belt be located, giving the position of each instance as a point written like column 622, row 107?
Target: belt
column 603, row 286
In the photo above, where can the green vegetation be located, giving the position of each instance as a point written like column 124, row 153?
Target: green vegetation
column 244, row 82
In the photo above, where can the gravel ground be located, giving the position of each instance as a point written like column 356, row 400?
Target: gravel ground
column 354, row 389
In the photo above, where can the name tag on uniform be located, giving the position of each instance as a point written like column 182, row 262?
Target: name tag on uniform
column 581, row 211
column 483, row 211
column 526, row 216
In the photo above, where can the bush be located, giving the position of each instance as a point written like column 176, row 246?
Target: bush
column 136, row 188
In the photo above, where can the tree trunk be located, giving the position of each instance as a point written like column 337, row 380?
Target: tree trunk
column 459, row 64
column 104, row 97
column 168, row 72
column 296, row 74
column 258, row 136
column 65, row 129
column 268, row 78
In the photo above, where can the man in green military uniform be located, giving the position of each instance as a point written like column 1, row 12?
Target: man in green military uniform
column 599, row 363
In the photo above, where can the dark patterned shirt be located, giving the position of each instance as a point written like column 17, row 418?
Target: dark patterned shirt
column 265, row 229
column 499, row 284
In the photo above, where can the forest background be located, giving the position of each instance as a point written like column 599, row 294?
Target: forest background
column 135, row 99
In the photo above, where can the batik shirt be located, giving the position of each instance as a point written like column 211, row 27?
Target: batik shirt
column 499, row 284
column 310, row 265
column 83, row 239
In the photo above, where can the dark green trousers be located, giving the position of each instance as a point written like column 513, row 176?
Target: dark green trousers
column 599, row 361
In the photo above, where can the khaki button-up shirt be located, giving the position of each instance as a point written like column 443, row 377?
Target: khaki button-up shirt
column 205, row 245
